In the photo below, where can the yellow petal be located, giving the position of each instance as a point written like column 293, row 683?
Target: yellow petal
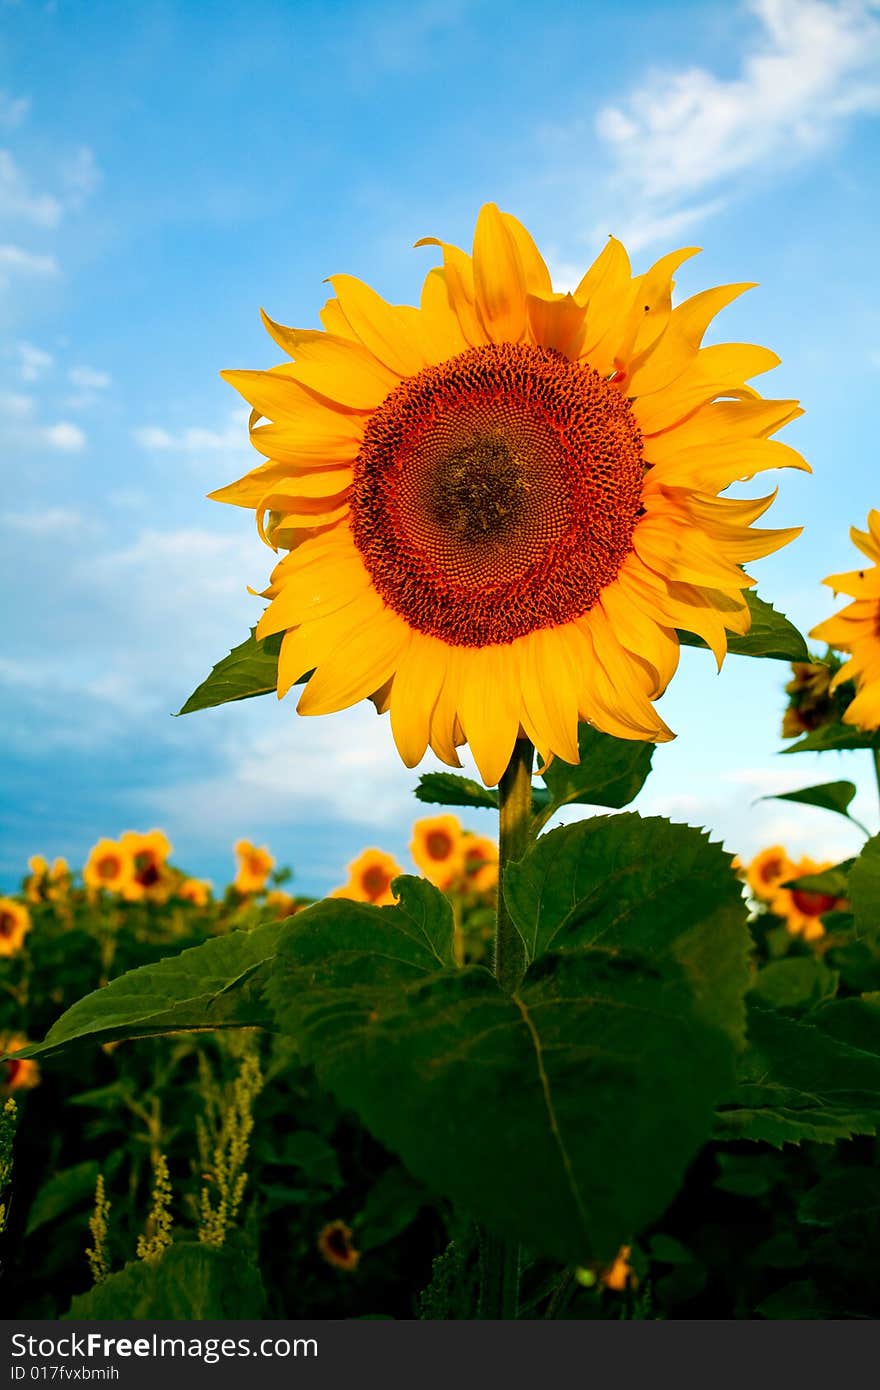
column 382, row 328
column 414, row 691
column 362, row 662
column 499, row 279
column 489, row 709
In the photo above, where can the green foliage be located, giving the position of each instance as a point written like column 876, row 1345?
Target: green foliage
column 216, row 985
column 448, row 789
column 795, row 984
column 611, row 772
column 770, row 635
column 817, row 1077
column 830, row 796
column 599, row 1052
column 864, row 890
column 250, row 669
column 70, row 1188
column 644, row 886
column 834, row 736
column 188, row 1281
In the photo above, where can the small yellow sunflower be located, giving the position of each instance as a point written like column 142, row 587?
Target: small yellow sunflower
column 801, row 908
column 620, row 1276
column 34, row 883
column 17, row 1073
column 283, row 904
column 480, row 862
column 254, row 867
column 767, row 870
column 437, row 847
column 108, row 866
column 194, row 890
column 336, row 1246
column 149, row 878
column 500, row 505
column 369, row 879
column 856, row 629
column 15, row 923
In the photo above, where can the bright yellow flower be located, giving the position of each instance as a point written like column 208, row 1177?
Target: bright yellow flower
column 480, row 862
column 369, row 879
column 437, row 847
column 15, row 923
column 254, row 867
column 17, row 1074
column 149, row 878
column 500, row 506
column 194, row 890
column 283, row 904
column 33, row 885
column 801, row 908
column 336, row 1246
column 767, row 870
column 108, row 866
column 856, row 629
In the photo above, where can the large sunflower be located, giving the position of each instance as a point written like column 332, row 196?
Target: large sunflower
column 500, row 505
column 856, row 628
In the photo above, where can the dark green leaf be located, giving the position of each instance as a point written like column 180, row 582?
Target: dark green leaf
column 833, row 882
column 598, row 1075
column 796, row 1302
column 68, row 1188
column 830, row 736
column 815, row 1078
column 190, row 1281
column 830, row 796
column 216, row 985
column 864, row 891
column 393, row 1203
column 794, row 985
column 448, row 789
column 250, row 669
column 771, row 634
column 642, row 885
column 843, row 1194
column 610, row 773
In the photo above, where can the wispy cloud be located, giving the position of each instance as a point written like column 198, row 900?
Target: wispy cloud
column 683, row 135
column 195, row 440
column 89, row 378
column 33, row 361
column 13, row 110
column 18, row 199
column 16, row 260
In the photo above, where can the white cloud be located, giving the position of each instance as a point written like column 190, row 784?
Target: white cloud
column 16, row 406
column 195, row 440
column 89, row 378
column 69, row 438
column 681, row 134
column 13, row 110
column 18, row 201
column 52, row 521
column 33, row 361
column 80, row 175
column 16, row 260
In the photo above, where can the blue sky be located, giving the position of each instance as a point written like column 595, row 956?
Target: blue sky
column 166, row 169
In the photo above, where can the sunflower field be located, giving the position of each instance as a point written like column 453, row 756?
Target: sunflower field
column 597, row 1067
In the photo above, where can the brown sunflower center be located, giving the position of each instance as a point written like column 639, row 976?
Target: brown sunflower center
column 497, row 493
column 812, row 904
column 8, row 923
column 438, row 844
column 375, row 881
column 108, row 866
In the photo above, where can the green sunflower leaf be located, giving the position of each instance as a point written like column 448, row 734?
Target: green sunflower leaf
column 448, row 789
column 645, row 885
column 770, row 635
column 216, row 985
column 189, row 1281
column 834, row 736
column 794, row 985
column 611, row 772
column 816, row 1078
column 830, row 796
column 864, row 891
column 250, row 669
column 599, row 1073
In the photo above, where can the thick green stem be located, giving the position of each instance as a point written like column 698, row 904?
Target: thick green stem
column 500, row 1256
column 514, row 839
column 876, row 755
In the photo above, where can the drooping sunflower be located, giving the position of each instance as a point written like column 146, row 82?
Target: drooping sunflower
column 15, row 923
column 856, row 629
column 108, row 866
column 150, row 879
column 769, row 868
column 437, row 847
column 369, row 879
column 500, row 505
column 254, row 866
column 336, row 1246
